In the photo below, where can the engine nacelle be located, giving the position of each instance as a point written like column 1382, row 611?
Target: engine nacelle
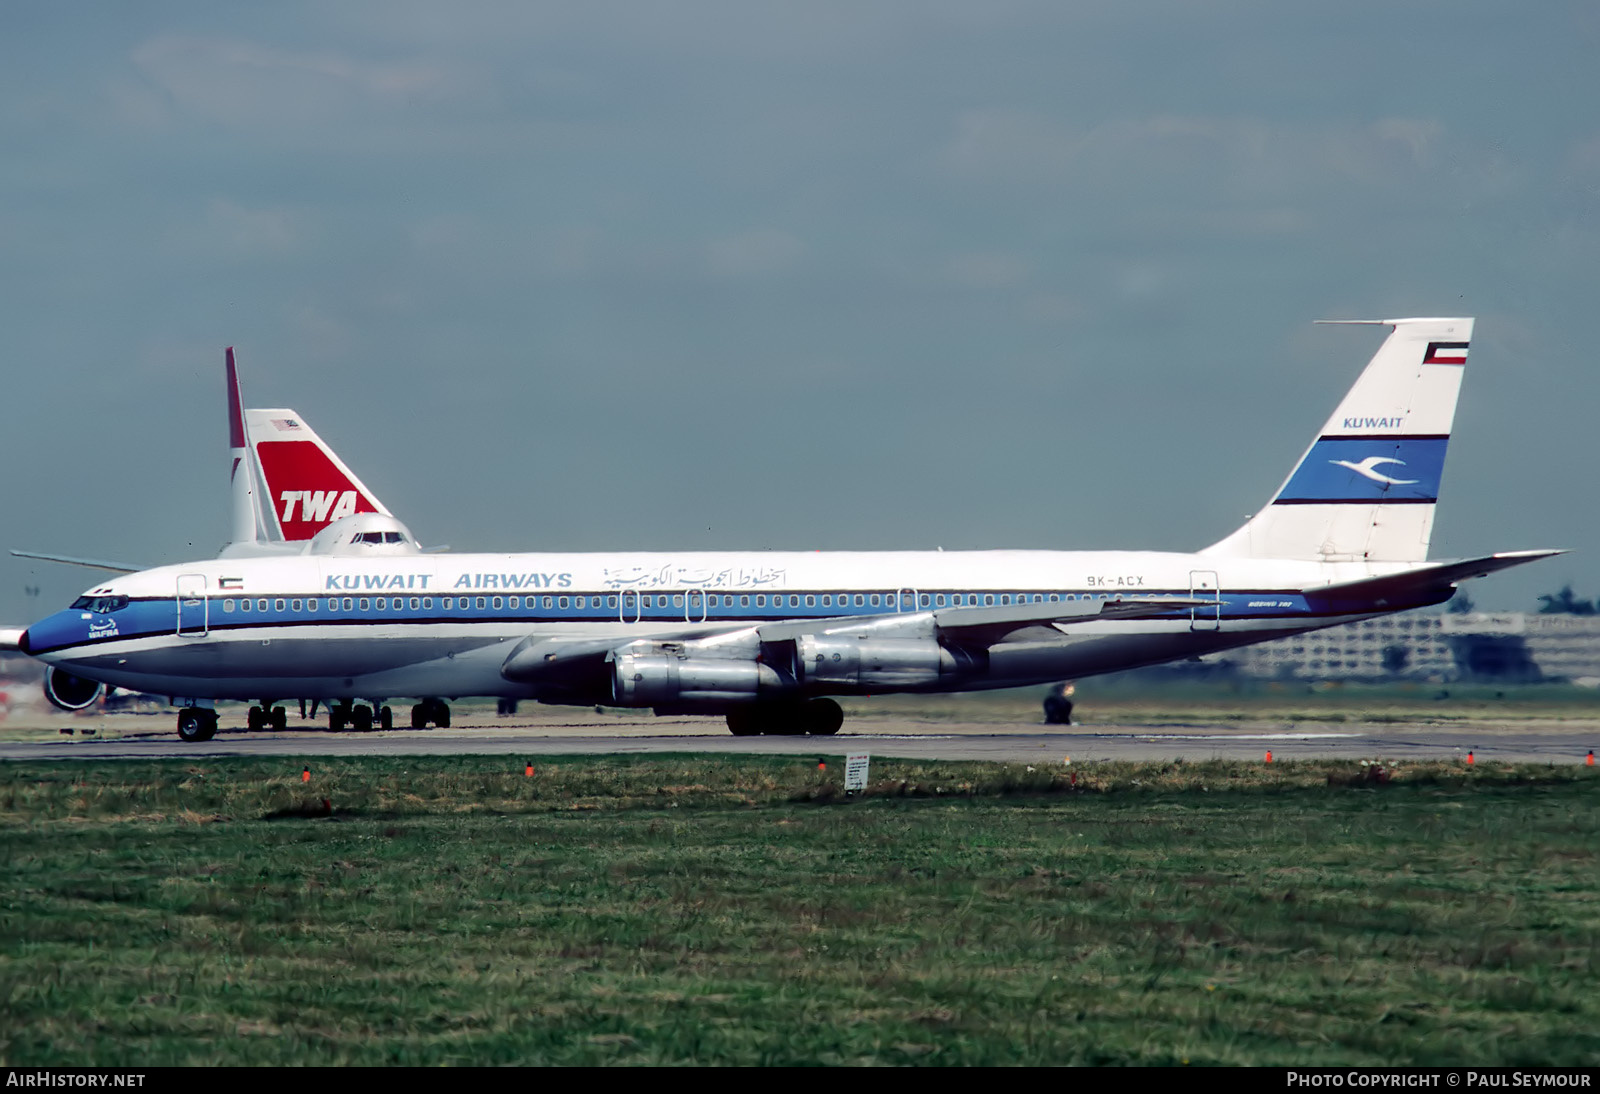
column 661, row 677
column 70, row 692
column 873, row 662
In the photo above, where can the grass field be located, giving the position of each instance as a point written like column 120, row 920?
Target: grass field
column 742, row 911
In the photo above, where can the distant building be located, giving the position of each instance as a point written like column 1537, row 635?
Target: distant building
column 1511, row 647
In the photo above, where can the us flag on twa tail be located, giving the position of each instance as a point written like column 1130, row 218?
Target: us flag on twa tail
column 1446, row 353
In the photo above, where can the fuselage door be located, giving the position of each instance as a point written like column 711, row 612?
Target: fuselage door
column 1203, row 586
column 906, row 600
column 632, row 606
column 193, row 608
column 695, row 606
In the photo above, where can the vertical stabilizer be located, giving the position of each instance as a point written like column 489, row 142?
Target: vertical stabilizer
column 245, row 527
column 306, row 485
column 1367, row 487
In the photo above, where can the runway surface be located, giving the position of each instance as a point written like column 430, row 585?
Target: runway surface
column 152, row 737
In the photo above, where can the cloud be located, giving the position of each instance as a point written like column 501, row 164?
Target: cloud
column 758, row 251
column 241, row 83
column 987, row 269
column 243, row 232
column 1248, row 155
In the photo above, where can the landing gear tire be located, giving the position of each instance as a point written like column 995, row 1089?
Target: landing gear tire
column 743, row 723
column 1058, row 705
column 338, row 717
column 361, row 718
column 196, row 724
column 385, row 718
column 278, row 718
column 436, row 711
column 252, row 719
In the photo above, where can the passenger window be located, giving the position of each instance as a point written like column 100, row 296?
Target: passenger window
column 611, row 602
column 744, row 602
column 261, row 605
column 415, row 604
column 547, row 603
column 277, row 605
column 481, row 603
column 383, row 604
column 349, row 605
column 295, row 605
column 874, row 599
column 499, row 603
column 449, row 604
column 427, row 603
column 811, row 602
column 860, row 600
column 227, row 607
column 561, row 602
column 516, row 602
column 761, row 601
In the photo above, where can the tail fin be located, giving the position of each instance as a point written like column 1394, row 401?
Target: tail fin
column 307, row 486
column 246, row 522
column 1367, row 486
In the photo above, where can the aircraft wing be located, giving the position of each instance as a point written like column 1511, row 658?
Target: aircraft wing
column 92, row 563
column 571, row 661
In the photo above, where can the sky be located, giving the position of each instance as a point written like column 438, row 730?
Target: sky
column 699, row 275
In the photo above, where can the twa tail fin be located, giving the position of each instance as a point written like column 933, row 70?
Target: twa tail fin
column 1367, row 487
column 306, row 486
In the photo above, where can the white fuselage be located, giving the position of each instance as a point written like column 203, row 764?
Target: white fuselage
column 443, row 625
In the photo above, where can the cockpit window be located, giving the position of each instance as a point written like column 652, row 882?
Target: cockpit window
column 378, row 537
column 101, row 604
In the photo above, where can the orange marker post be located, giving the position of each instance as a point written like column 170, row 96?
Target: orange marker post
column 822, row 765
column 1269, row 755
column 1470, row 760
column 1590, row 761
column 528, row 770
column 305, row 776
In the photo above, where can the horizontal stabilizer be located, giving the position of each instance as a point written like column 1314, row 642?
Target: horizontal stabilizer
column 1436, row 576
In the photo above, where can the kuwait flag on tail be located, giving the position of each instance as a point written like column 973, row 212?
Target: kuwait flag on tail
column 1446, row 353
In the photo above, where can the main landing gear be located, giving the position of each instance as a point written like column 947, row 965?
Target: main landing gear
column 820, row 717
column 266, row 716
column 430, row 710
column 360, row 717
column 197, row 724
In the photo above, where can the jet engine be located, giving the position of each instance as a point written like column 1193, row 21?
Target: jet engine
column 874, row 662
column 664, row 676
column 70, row 692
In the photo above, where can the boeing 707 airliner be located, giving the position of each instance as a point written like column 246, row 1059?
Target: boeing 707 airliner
column 339, row 604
